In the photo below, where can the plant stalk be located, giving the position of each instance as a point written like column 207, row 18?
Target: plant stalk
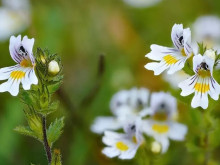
column 45, row 141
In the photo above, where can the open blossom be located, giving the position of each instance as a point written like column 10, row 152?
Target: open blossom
column 206, row 30
column 14, row 16
column 171, row 58
column 161, row 125
column 123, row 145
column 125, row 105
column 142, row 3
column 23, row 72
column 202, row 83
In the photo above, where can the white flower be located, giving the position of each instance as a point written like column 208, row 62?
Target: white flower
column 206, row 30
column 23, row 72
column 171, row 58
column 126, row 105
column 160, row 125
column 14, row 16
column 142, row 3
column 123, row 145
column 129, row 102
column 53, row 67
column 176, row 78
column 163, row 106
column 17, row 4
column 202, row 83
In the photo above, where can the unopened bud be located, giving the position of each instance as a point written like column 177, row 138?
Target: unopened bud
column 43, row 60
column 53, row 67
column 210, row 53
column 156, row 147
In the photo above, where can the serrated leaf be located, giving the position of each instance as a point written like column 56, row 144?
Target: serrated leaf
column 52, row 108
column 54, row 86
column 25, row 131
column 27, row 97
column 34, row 122
column 55, row 130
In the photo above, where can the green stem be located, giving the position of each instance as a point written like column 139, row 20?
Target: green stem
column 207, row 154
column 206, row 137
column 45, row 141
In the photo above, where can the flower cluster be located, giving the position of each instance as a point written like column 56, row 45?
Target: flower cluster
column 185, row 56
column 137, row 116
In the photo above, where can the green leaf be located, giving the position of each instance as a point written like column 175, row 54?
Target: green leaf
column 51, row 108
column 34, row 122
column 28, row 97
column 202, row 48
column 25, row 131
column 54, row 86
column 55, row 130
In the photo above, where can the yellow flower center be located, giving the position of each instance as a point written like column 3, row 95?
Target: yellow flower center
column 160, row 116
column 183, row 52
column 122, row 146
column 204, row 73
column 134, row 139
column 17, row 75
column 169, row 59
column 200, row 87
column 160, row 128
column 26, row 63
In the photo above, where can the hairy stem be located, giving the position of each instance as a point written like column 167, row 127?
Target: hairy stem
column 46, row 145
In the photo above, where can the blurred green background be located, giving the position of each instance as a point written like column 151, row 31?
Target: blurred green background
column 79, row 31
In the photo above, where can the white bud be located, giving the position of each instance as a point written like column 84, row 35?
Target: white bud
column 53, row 67
column 156, row 147
column 210, row 53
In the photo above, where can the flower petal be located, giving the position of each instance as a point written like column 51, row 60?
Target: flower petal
column 129, row 154
column 187, row 41
column 14, row 89
column 26, row 81
column 214, row 89
column 177, row 66
column 158, row 52
column 177, row 131
column 28, row 45
column 164, row 141
column 33, row 77
column 177, row 35
column 111, row 137
column 200, row 99
column 102, row 124
column 158, row 68
column 110, row 152
column 6, row 85
column 15, row 42
column 5, row 72
column 187, row 85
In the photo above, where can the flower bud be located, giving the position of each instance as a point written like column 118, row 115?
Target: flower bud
column 210, row 53
column 53, row 68
column 155, row 147
column 43, row 60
